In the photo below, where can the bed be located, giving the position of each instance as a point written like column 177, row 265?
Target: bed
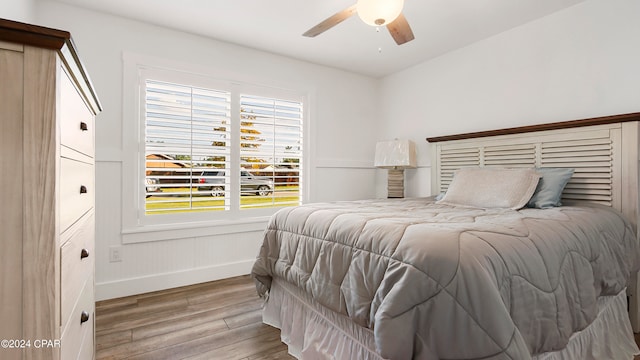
column 443, row 279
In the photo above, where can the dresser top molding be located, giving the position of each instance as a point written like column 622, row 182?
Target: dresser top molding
column 60, row 40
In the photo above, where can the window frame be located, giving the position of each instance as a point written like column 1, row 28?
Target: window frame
column 137, row 226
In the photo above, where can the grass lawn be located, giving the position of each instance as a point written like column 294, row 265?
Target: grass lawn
column 178, row 200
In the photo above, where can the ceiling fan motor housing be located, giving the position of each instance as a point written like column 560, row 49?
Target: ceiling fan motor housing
column 379, row 12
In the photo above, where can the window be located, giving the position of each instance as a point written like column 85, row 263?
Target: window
column 224, row 150
column 203, row 155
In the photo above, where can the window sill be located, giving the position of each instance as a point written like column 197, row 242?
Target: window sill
column 151, row 233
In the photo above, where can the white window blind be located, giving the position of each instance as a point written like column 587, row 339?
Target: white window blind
column 189, row 149
column 270, row 148
column 187, row 133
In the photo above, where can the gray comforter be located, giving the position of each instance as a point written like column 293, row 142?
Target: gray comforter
column 441, row 282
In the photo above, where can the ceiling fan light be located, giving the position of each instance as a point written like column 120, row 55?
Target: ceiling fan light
column 379, row 12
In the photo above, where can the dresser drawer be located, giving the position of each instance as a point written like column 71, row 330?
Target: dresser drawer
column 77, row 263
column 80, row 326
column 87, row 349
column 76, row 120
column 76, row 190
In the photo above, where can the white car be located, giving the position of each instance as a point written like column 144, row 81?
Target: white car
column 213, row 180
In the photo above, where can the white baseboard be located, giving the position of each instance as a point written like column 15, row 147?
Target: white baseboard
column 143, row 284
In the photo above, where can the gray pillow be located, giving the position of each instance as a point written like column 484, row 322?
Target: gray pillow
column 491, row 188
column 549, row 190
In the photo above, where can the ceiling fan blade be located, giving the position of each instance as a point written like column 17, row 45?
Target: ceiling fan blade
column 400, row 30
column 331, row 21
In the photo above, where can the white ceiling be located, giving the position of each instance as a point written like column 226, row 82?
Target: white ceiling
column 276, row 26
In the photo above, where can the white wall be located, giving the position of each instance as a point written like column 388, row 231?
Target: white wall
column 578, row 63
column 343, row 124
column 18, row 10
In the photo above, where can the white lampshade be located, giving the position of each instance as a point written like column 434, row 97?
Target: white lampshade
column 379, row 12
column 395, row 154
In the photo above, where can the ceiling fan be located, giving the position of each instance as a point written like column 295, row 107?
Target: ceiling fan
column 372, row 12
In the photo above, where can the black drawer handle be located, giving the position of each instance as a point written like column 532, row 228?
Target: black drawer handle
column 84, row 317
column 83, row 189
column 83, row 126
column 84, row 253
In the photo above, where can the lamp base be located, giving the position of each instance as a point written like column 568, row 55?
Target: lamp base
column 395, row 183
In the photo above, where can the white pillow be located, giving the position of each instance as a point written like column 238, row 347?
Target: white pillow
column 491, row 188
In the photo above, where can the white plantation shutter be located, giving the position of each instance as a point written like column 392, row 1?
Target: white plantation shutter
column 193, row 143
column 271, row 148
column 187, row 131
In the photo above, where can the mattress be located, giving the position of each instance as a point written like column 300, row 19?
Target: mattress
column 419, row 275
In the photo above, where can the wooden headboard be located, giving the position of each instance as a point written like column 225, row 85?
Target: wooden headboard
column 604, row 152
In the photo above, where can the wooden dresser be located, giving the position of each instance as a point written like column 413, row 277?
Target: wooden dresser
column 47, row 226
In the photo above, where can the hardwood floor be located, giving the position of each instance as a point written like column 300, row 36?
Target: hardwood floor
column 215, row 320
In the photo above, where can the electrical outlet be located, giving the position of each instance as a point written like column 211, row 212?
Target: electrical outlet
column 115, row 254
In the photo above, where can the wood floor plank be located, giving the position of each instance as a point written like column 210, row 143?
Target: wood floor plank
column 220, row 318
column 202, row 287
column 158, row 313
column 281, row 353
column 241, row 349
column 189, row 319
column 113, row 339
column 130, row 317
column 116, row 304
column 222, row 298
column 220, row 292
column 124, row 351
column 245, row 318
column 204, row 344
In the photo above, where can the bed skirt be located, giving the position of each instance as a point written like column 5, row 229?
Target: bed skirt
column 313, row 332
